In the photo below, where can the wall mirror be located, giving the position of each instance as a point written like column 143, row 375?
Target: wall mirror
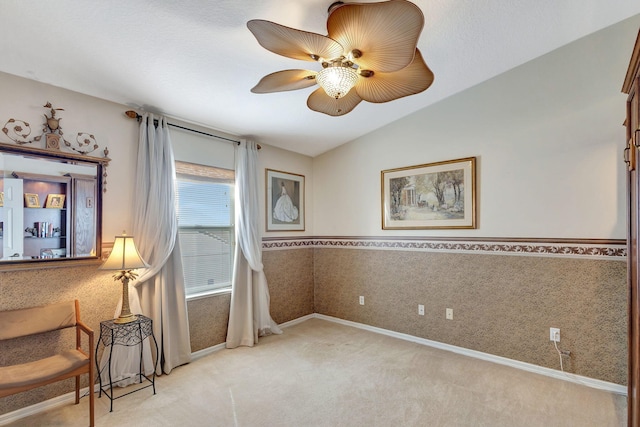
column 50, row 206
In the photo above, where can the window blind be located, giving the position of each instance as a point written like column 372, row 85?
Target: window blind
column 206, row 232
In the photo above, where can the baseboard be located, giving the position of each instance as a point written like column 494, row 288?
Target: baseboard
column 209, row 350
column 52, row 403
column 578, row 379
column 298, row 320
column 206, row 351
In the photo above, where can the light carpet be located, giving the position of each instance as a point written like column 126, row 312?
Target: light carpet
column 320, row 373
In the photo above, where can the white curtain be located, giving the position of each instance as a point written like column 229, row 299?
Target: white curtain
column 249, row 315
column 159, row 291
column 155, row 227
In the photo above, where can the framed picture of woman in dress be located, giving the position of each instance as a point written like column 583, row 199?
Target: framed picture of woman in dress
column 285, row 201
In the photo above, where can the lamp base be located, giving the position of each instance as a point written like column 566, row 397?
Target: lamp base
column 125, row 314
column 126, row 318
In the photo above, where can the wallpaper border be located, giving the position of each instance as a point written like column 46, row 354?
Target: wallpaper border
column 572, row 248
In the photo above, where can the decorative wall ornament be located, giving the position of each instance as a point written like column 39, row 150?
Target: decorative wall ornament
column 19, row 131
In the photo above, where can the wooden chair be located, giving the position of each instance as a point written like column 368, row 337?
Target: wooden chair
column 69, row 363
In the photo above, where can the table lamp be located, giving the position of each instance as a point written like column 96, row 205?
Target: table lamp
column 124, row 257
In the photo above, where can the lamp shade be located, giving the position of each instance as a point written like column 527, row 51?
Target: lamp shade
column 124, row 255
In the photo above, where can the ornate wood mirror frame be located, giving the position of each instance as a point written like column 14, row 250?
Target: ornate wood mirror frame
column 50, row 207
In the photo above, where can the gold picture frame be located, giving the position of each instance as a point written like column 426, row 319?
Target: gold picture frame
column 31, row 200
column 430, row 196
column 1, row 198
column 55, row 201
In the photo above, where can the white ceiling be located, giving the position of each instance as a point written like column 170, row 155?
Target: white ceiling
column 197, row 61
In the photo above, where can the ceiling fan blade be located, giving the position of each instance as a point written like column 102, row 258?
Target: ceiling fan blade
column 293, row 43
column 282, row 81
column 386, row 33
column 384, row 87
column 321, row 102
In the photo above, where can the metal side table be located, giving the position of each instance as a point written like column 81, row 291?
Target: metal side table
column 126, row 334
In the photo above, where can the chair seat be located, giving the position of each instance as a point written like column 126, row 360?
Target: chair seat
column 41, row 370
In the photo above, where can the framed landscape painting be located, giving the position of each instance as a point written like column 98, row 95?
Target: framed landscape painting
column 285, row 201
column 434, row 195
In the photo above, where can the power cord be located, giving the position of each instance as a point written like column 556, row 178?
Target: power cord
column 564, row 353
column 561, row 353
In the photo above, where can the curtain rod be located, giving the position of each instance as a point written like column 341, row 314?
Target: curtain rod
column 133, row 115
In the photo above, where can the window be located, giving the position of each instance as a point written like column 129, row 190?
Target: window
column 206, row 230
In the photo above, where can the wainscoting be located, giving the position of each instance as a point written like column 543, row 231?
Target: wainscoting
column 505, row 295
column 290, row 278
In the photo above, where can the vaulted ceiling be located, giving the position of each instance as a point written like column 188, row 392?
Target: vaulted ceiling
column 197, row 61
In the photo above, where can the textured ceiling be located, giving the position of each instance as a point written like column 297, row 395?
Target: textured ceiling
column 197, row 61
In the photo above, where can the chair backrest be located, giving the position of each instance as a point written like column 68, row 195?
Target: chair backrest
column 35, row 320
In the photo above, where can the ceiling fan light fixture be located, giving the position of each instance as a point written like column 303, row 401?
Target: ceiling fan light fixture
column 337, row 80
column 369, row 54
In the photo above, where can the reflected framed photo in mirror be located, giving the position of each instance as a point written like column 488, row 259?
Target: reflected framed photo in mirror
column 31, row 200
column 54, row 201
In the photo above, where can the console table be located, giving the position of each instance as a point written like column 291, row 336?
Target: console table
column 125, row 334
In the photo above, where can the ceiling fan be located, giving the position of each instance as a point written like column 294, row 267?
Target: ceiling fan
column 369, row 54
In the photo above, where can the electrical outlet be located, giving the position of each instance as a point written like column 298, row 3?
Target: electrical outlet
column 421, row 309
column 449, row 313
column 554, row 334
column 361, row 300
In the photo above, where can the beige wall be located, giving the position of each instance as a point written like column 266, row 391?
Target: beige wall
column 548, row 137
column 291, row 283
column 290, row 277
column 503, row 304
column 23, row 99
